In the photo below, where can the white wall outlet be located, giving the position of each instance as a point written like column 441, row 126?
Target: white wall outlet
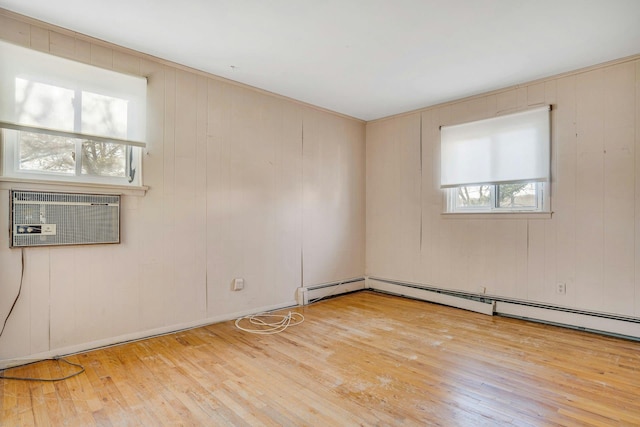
column 238, row 284
column 561, row 288
column 482, row 290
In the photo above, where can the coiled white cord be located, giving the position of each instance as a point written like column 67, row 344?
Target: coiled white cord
column 266, row 324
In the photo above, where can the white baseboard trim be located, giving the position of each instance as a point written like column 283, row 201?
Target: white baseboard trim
column 431, row 296
column 136, row 336
column 308, row 294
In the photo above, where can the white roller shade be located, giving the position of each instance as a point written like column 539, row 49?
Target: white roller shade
column 511, row 148
column 41, row 92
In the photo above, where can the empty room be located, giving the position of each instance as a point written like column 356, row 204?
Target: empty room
column 319, row 213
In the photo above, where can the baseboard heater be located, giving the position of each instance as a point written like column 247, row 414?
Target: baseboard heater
column 309, row 294
column 478, row 305
column 609, row 324
column 49, row 219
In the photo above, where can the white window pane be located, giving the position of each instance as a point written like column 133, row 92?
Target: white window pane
column 474, row 197
column 44, row 105
column 46, row 153
column 521, row 195
column 104, row 159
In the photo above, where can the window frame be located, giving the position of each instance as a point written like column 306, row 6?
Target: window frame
column 541, row 195
column 10, row 167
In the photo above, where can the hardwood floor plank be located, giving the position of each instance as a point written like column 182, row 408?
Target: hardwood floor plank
column 359, row 359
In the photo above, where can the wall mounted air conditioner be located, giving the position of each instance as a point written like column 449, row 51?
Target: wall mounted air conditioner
column 51, row 219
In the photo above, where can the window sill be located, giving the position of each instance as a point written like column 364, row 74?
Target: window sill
column 11, row 183
column 497, row 215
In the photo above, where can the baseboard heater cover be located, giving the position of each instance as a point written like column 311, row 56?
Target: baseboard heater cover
column 609, row 324
column 594, row 323
column 432, row 296
column 308, row 294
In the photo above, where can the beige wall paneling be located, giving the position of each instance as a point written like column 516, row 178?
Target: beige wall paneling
column 126, row 288
column 168, row 209
column 126, row 63
column 82, row 300
column 152, row 287
column 288, row 221
column 65, row 46
column 547, row 95
column 9, row 281
column 254, row 161
column 224, row 253
column 637, row 194
column 62, row 297
column 38, row 284
column 200, row 241
column 541, row 241
column 590, row 189
column 563, row 189
column 374, row 152
column 101, row 56
column 431, row 195
column 333, row 198
column 83, row 51
column 39, row 38
column 619, row 183
column 442, row 228
column 187, row 292
column 537, row 94
column 16, row 339
column 393, row 198
column 15, row 31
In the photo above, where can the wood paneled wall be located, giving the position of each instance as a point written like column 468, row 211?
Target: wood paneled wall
column 591, row 242
column 242, row 184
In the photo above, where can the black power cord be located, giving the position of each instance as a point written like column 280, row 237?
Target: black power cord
column 4, row 377
column 17, row 296
column 56, row 358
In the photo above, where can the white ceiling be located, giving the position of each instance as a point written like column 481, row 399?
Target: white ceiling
column 364, row 58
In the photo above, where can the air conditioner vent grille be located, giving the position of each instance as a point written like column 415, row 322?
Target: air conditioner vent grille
column 46, row 219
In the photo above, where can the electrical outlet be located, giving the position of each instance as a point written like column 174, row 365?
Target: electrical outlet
column 238, row 284
column 482, row 290
column 561, row 288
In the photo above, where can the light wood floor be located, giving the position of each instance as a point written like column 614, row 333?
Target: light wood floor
column 360, row 359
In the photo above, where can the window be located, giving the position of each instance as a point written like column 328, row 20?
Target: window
column 518, row 197
column 497, row 165
column 67, row 121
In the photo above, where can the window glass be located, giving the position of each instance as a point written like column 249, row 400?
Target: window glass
column 103, row 159
column 510, row 197
column 46, row 153
column 473, row 197
column 520, row 195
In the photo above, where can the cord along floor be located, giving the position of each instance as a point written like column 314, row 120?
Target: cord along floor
column 359, row 359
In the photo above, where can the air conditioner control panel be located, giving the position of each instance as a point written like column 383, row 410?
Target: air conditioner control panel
column 41, row 229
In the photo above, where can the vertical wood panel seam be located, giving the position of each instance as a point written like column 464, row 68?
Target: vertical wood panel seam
column 302, row 201
column 421, row 187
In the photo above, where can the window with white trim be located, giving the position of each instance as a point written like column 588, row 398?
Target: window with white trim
column 64, row 120
column 497, row 165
